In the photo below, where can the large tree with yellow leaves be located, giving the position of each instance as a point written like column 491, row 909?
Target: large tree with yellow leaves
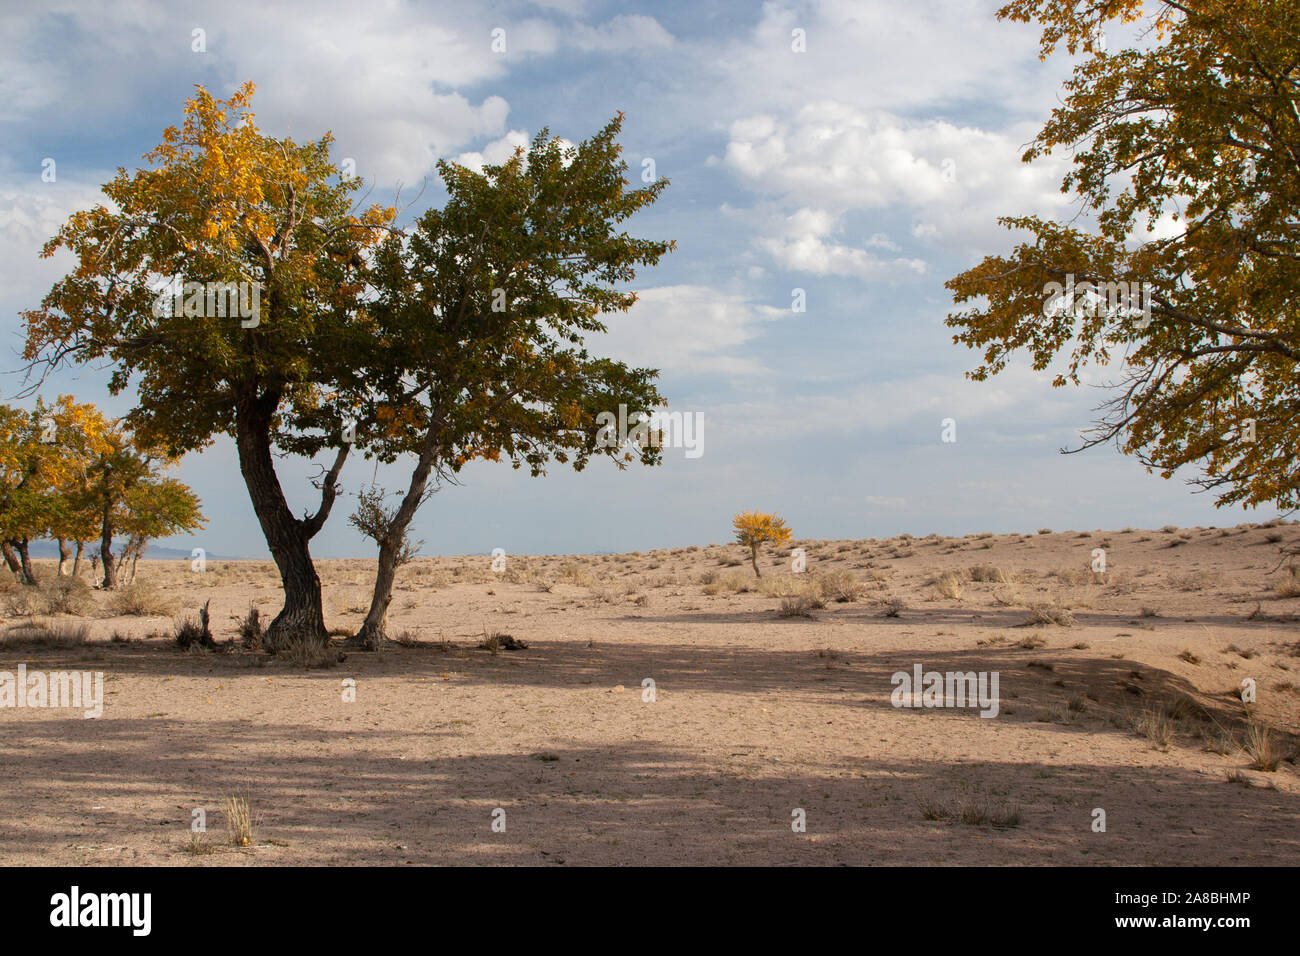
column 1197, row 126
column 224, row 207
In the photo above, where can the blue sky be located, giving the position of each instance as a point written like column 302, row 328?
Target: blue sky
column 865, row 171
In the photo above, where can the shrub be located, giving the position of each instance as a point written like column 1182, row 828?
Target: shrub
column 1050, row 614
column 191, row 633
column 800, row 605
column 839, row 586
column 21, row 600
column 67, row 595
column 949, row 585
column 250, row 629
column 990, row 573
column 45, row 634
column 140, row 600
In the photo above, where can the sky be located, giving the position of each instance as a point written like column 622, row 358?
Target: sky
column 849, row 156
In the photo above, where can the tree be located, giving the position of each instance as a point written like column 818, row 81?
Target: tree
column 754, row 529
column 1199, row 125
column 41, row 452
column 479, row 322
column 271, row 261
column 155, row 507
column 126, row 492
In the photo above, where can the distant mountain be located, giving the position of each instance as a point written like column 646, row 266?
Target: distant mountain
column 50, row 549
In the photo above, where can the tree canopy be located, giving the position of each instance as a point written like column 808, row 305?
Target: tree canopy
column 246, row 220
column 1185, row 153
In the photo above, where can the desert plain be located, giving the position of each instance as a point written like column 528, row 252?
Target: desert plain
column 670, row 707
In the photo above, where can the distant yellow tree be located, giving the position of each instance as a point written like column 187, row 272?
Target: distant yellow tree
column 753, row 528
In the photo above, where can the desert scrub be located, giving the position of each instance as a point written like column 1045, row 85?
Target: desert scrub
column 800, row 605
column 949, row 585
column 140, row 599
column 839, row 586
column 33, row 633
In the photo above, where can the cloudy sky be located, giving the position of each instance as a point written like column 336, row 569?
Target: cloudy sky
column 864, row 170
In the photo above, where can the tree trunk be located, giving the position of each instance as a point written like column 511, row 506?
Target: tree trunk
column 373, row 631
column 287, row 536
column 28, row 574
column 106, row 549
column 64, row 553
column 11, row 559
column 753, row 557
column 76, row 561
column 136, row 551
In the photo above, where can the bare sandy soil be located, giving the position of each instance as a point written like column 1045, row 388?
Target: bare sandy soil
column 1133, row 708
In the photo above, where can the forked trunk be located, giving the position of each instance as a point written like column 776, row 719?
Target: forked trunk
column 135, row 558
column 65, row 552
column 302, row 616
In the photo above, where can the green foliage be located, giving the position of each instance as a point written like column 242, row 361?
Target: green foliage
column 482, row 311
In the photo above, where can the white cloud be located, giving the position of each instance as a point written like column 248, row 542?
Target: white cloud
column 805, row 246
column 31, row 212
column 915, row 405
column 953, row 181
column 687, row 329
column 382, row 77
column 495, row 152
column 894, row 55
column 623, row 32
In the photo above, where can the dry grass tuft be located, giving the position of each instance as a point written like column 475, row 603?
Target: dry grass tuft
column 141, row 599
column 240, row 821
column 950, row 586
column 307, row 652
column 1050, row 614
column 1261, row 747
column 800, row 605
column 32, row 634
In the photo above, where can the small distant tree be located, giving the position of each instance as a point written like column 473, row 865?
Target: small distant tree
column 154, row 508
column 41, row 451
column 126, row 490
column 754, row 529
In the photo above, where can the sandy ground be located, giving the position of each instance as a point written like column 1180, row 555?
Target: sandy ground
column 754, row 716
